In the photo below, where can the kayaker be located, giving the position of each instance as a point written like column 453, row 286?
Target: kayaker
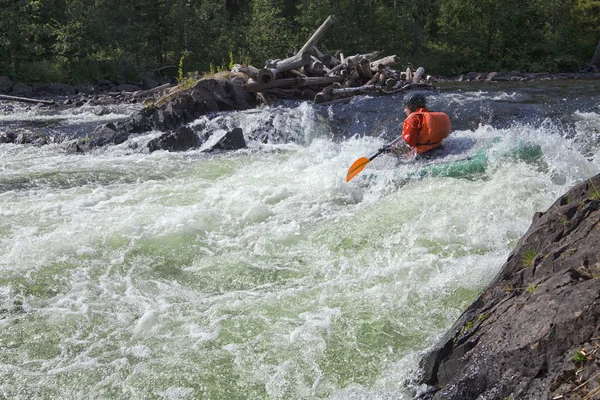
column 423, row 130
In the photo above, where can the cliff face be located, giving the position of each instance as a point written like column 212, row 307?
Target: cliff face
column 534, row 333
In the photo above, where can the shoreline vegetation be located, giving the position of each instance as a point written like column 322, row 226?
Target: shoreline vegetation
column 77, row 41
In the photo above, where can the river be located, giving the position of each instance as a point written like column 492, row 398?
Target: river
column 261, row 273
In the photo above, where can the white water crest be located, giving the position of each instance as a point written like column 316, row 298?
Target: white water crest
column 258, row 273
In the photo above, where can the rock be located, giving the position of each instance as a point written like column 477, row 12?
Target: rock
column 182, row 139
column 232, row 140
column 5, row 84
column 102, row 136
column 60, row 89
column 7, row 137
column 149, row 83
column 520, row 337
column 208, row 95
column 21, row 89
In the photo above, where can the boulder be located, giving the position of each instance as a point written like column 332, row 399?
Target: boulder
column 59, row 89
column 5, row 84
column 533, row 333
column 21, row 89
column 182, row 139
column 231, row 140
column 107, row 134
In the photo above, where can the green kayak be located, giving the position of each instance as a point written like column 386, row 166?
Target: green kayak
column 477, row 163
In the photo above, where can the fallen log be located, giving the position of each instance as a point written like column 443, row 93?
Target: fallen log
column 319, row 80
column 25, row 99
column 142, row 93
column 253, row 86
column 385, row 62
column 317, row 35
column 355, row 90
column 418, row 74
column 365, row 69
column 250, row 71
column 296, row 61
column 266, row 75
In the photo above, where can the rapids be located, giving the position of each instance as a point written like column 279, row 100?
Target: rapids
column 261, row 273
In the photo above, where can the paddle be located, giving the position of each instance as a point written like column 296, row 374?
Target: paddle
column 362, row 162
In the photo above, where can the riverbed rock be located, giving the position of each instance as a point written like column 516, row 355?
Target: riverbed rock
column 21, row 89
column 5, row 84
column 533, row 333
column 58, row 89
column 230, row 140
column 182, row 139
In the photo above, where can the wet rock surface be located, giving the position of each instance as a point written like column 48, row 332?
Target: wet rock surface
column 534, row 333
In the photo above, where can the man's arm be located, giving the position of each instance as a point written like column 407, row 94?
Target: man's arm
column 411, row 129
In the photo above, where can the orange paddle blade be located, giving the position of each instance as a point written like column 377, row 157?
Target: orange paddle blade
column 355, row 168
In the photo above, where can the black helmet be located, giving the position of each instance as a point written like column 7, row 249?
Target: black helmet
column 414, row 101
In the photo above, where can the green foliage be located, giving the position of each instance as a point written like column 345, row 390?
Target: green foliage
column 78, row 40
column 528, row 257
column 579, row 357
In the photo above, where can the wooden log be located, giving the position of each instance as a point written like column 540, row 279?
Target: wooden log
column 319, row 80
column 355, row 90
column 317, row 35
column 266, row 75
column 390, row 82
column 25, row 99
column 409, row 75
column 253, row 86
column 352, row 79
column 250, row 71
column 365, row 69
column 295, row 73
column 141, row 93
column 418, row 74
column 328, row 60
column 296, row 61
column 374, row 79
column 314, row 69
column 385, row 62
column 324, row 95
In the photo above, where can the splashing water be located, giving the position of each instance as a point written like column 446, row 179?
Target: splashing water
column 261, row 273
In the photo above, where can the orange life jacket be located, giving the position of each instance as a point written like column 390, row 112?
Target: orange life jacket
column 435, row 127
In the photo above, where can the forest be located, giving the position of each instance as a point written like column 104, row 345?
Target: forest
column 78, row 41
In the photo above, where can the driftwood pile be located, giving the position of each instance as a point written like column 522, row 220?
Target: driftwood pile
column 311, row 74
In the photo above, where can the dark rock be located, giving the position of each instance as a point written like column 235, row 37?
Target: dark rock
column 60, row 89
column 7, row 137
column 21, row 89
column 73, row 147
column 149, row 83
column 5, row 84
column 25, row 136
column 104, row 135
column 519, row 338
column 182, row 139
column 232, row 140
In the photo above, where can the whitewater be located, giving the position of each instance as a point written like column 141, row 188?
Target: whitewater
column 260, row 273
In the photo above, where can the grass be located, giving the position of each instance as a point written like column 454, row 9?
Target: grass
column 528, row 257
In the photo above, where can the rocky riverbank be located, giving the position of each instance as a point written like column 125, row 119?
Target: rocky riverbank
column 534, row 333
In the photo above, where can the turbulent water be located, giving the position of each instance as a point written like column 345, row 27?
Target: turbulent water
column 261, row 273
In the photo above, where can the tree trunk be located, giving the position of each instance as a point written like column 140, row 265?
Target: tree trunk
column 317, row 35
column 25, row 99
column 596, row 57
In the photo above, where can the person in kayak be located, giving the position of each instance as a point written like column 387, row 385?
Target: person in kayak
column 422, row 131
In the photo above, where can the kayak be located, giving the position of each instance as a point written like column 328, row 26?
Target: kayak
column 478, row 163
